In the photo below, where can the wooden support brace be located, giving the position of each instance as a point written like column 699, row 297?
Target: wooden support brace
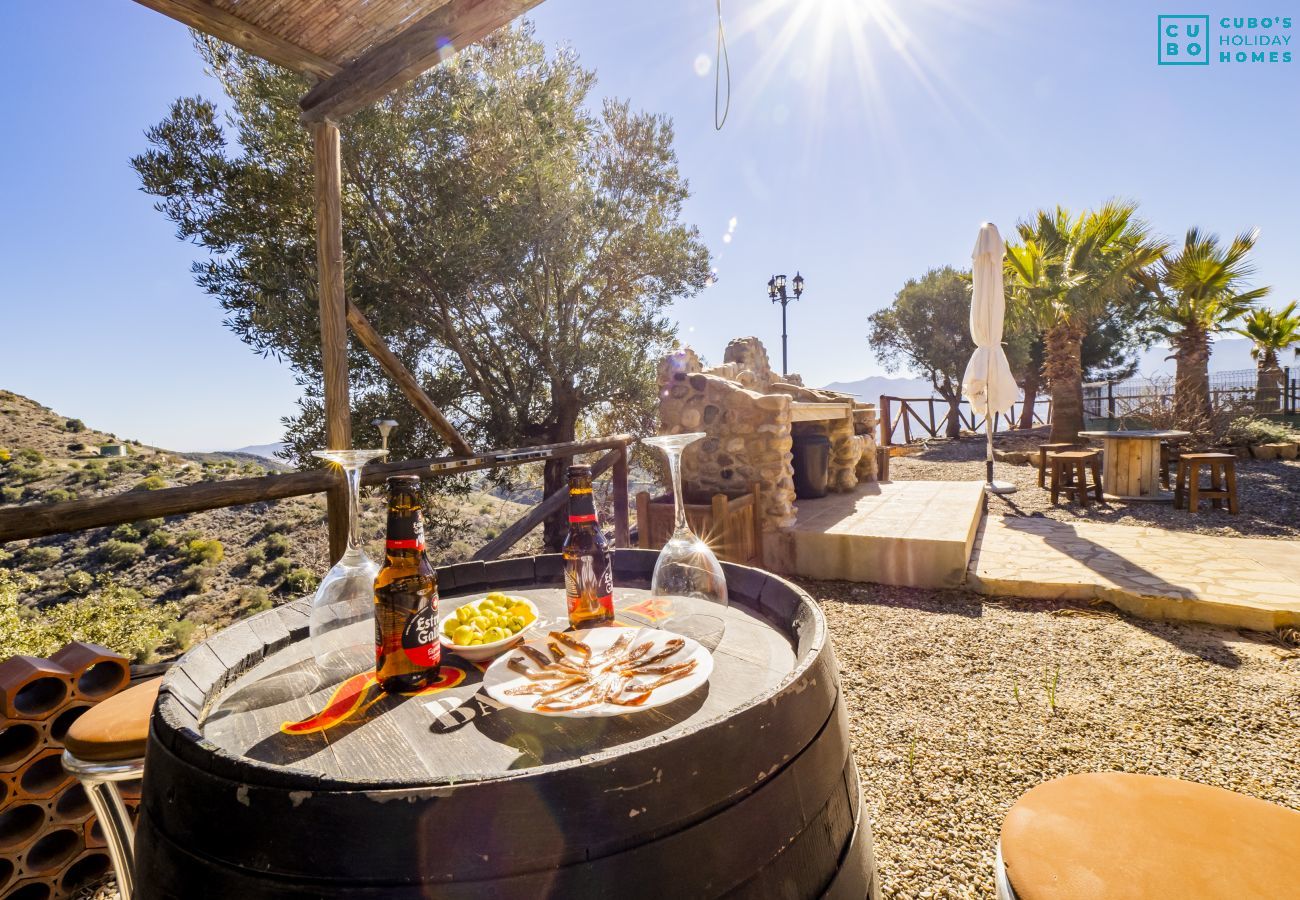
column 371, row 340
column 538, row 514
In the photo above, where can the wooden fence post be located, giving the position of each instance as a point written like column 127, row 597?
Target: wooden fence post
column 619, row 477
column 886, row 422
column 333, row 318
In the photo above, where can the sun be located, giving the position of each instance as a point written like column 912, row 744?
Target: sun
column 837, row 45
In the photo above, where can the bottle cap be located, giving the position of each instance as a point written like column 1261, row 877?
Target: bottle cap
column 403, row 481
column 579, row 471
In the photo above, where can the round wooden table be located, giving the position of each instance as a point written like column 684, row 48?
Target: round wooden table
column 1130, row 467
column 259, row 782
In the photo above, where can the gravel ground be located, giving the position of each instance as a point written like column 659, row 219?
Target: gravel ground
column 952, row 716
column 1269, row 492
column 950, row 707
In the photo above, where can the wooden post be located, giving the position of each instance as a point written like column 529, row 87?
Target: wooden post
column 333, row 318
column 619, row 479
column 886, row 422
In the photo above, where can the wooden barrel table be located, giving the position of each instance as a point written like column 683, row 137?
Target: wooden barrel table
column 260, row 784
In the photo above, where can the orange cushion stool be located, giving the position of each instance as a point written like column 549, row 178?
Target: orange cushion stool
column 1111, row 835
column 116, row 729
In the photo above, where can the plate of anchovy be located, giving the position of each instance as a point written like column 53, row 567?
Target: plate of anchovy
column 607, row 671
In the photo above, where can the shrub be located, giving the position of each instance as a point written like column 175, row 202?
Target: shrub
column 120, row 553
column 151, row 483
column 59, row 495
column 31, row 455
column 195, row 577
column 120, row 465
column 148, row 526
column 5, row 455
column 301, row 581
column 182, row 632
column 254, row 556
column 159, row 540
column 39, row 557
column 78, row 582
column 277, row 545
column 279, row 567
column 75, row 425
column 199, row 551
column 126, row 532
column 254, row 599
column 113, row 616
column 76, row 447
column 11, row 494
column 1248, row 431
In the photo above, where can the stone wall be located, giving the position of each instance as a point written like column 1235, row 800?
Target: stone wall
column 746, row 410
column 748, row 434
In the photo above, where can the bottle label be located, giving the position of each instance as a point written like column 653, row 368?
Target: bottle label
column 420, row 639
column 589, row 581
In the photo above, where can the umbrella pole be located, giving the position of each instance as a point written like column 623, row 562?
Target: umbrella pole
column 993, row 487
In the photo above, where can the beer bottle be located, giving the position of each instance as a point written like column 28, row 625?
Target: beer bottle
column 407, row 652
column 588, row 563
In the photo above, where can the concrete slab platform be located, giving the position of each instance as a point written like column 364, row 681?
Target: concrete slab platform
column 917, row 533
column 1151, row 572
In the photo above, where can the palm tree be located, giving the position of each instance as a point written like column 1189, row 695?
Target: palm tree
column 1271, row 331
column 1067, row 274
column 1197, row 292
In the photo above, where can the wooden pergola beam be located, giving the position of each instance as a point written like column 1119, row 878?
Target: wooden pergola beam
column 371, row 340
column 244, row 35
column 420, row 47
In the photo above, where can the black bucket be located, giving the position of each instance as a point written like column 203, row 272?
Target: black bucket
column 812, row 459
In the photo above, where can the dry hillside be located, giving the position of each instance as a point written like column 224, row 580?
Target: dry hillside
column 213, row 566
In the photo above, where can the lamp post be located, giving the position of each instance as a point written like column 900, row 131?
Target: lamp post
column 776, row 293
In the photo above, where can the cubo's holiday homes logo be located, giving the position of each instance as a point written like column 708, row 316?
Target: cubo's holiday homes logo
column 1185, row 40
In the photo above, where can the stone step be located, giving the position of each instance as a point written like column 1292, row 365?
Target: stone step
column 917, row 533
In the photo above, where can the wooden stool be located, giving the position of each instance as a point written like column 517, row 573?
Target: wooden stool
column 1043, row 451
column 105, row 746
column 1222, row 486
column 1107, row 835
column 1070, row 474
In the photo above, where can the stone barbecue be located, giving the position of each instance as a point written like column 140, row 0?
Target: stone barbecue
column 751, row 415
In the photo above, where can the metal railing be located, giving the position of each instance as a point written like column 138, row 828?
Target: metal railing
column 1240, row 387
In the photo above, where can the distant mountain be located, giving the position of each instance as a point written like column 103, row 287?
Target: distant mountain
column 870, row 389
column 266, row 451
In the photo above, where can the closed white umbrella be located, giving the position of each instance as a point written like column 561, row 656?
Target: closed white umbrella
column 988, row 382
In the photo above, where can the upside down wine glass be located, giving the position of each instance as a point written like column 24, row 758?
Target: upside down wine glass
column 687, row 579
column 346, row 596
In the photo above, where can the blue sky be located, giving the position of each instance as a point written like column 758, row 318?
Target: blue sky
column 867, row 140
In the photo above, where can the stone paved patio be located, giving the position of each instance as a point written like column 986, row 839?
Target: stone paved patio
column 1148, row 571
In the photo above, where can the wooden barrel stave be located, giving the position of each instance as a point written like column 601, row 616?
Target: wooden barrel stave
column 817, row 816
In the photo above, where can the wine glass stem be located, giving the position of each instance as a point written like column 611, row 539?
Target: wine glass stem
column 675, row 471
column 353, row 475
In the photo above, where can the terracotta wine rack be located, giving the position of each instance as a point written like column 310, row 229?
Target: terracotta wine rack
column 50, row 843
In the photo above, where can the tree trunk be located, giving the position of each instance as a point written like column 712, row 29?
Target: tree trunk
column 1033, row 377
column 1063, row 369
column 954, row 415
column 555, row 475
column 1192, row 379
column 1268, row 383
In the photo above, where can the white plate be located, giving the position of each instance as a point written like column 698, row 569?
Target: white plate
column 499, row 678
column 480, row 652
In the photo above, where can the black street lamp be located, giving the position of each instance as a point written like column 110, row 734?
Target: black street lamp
column 776, row 293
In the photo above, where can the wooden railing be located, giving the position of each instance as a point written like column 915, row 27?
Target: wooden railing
column 930, row 417
column 40, row 520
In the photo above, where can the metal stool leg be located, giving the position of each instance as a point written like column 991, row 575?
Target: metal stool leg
column 100, row 781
